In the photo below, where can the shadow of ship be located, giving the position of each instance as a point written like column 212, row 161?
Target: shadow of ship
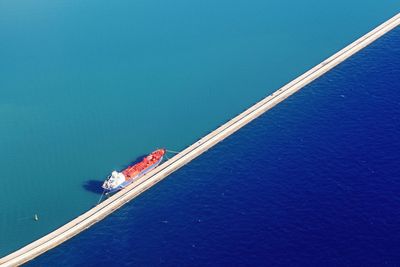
column 94, row 186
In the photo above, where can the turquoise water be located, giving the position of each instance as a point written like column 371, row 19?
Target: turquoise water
column 86, row 87
column 313, row 182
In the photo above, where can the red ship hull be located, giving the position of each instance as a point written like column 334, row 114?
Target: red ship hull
column 145, row 164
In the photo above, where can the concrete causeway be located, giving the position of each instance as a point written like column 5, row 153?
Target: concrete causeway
column 105, row 208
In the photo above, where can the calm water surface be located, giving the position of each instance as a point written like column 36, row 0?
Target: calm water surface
column 313, row 182
column 88, row 86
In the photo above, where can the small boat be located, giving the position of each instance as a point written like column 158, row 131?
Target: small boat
column 119, row 180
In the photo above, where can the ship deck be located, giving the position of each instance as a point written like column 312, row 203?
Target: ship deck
column 145, row 182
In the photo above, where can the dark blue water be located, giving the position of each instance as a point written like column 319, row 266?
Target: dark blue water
column 88, row 86
column 314, row 182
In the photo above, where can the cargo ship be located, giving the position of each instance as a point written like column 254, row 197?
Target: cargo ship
column 119, row 180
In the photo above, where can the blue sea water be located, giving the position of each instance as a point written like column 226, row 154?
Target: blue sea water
column 88, row 86
column 313, row 182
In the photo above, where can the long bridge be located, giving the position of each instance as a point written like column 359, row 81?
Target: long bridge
column 116, row 201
